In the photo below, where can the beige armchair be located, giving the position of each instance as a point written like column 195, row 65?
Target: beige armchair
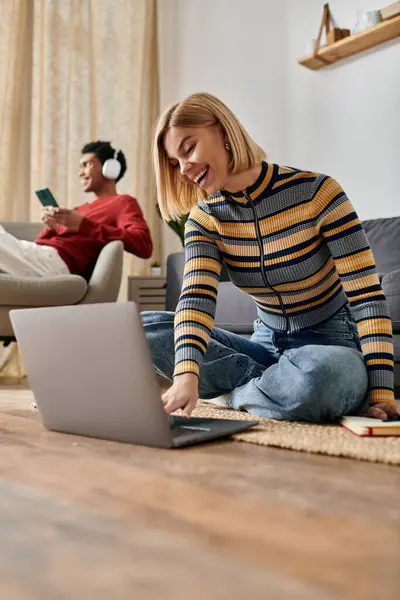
column 18, row 292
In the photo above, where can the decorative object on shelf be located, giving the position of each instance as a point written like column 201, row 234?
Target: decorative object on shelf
column 155, row 269
column 177, row 226
column 366, row 20
column 327, row 55
column 333, row 34
column 374, row 17
column 393, row 10
column 361, row 23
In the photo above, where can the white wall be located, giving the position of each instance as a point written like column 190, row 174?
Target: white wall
column 343, row 120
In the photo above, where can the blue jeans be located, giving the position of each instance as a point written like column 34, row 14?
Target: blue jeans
column 316, row 375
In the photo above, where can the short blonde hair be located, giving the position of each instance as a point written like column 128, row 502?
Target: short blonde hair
column 175, row 197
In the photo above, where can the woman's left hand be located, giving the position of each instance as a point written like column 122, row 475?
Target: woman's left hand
column 383, row 411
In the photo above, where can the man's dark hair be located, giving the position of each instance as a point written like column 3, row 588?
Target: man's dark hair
column 104, row 151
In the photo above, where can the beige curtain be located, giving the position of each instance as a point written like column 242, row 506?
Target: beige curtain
column 15, row 107
column 94, row 77
column 16, row 25
column 73, row 71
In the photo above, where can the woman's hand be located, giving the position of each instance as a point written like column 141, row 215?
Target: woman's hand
column 183, row 394
column 383, row 410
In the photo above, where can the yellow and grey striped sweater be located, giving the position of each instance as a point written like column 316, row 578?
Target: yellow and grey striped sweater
column 294, row 243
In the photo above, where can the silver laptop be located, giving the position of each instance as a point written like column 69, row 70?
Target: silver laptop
column 90, row 369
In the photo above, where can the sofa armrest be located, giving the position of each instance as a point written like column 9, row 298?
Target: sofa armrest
column 41, row 291
column 175, row 267
column 106, row 278
column 391, row 289
column 396, row 327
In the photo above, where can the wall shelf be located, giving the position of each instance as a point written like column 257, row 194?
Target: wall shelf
column 353, row 44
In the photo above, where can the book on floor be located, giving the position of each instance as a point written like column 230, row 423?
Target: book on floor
column 365, row 426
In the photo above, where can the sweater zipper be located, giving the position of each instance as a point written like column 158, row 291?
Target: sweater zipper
column 263, row 272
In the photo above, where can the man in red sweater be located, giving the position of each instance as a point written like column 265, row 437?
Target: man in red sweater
column 72, row 239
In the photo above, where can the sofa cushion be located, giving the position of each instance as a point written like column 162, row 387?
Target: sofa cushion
column 396, row 352
column 384, row 239
column 391, row 289
column 41, row 291
column 175, row 268
column 236, row 311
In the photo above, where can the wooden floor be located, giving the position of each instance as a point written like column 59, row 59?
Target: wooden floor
column 84, row 519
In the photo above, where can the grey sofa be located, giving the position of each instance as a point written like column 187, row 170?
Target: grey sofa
column 236, row 311
column 19, row 292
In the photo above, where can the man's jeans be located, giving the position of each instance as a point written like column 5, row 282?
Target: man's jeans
column 317, row 374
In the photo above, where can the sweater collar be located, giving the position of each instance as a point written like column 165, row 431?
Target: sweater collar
column 256, row 191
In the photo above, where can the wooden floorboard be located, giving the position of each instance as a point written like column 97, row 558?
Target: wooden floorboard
column 85, row 518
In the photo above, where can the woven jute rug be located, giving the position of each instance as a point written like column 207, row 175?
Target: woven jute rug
column 318, row 439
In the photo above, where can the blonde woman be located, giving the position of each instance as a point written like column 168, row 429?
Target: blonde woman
column 322, row 343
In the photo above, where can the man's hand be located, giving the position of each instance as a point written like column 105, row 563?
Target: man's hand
column 183, row 394
column 47, row 217
column 383, row 411
column 68, row 218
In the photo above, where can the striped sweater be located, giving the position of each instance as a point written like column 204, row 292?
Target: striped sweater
column 294, row 243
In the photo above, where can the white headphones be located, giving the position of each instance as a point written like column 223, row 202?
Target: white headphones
column 112, row 167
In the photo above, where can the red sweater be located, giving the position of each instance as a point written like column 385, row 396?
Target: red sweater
column 106, row 219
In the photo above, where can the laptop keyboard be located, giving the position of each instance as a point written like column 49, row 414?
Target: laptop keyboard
column 181, row 426
column 177, row 431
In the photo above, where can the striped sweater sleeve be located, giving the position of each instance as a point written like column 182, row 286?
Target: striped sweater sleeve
column 195, row 312
column 339, row 225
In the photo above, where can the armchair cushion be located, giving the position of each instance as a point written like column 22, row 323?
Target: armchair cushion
column 18, row 292
column 103, row 286
column 41, row 291
column 23, row 230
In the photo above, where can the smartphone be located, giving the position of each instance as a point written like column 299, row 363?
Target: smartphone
column 46, row 197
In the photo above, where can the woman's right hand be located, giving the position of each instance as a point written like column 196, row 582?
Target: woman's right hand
column 183, row 394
